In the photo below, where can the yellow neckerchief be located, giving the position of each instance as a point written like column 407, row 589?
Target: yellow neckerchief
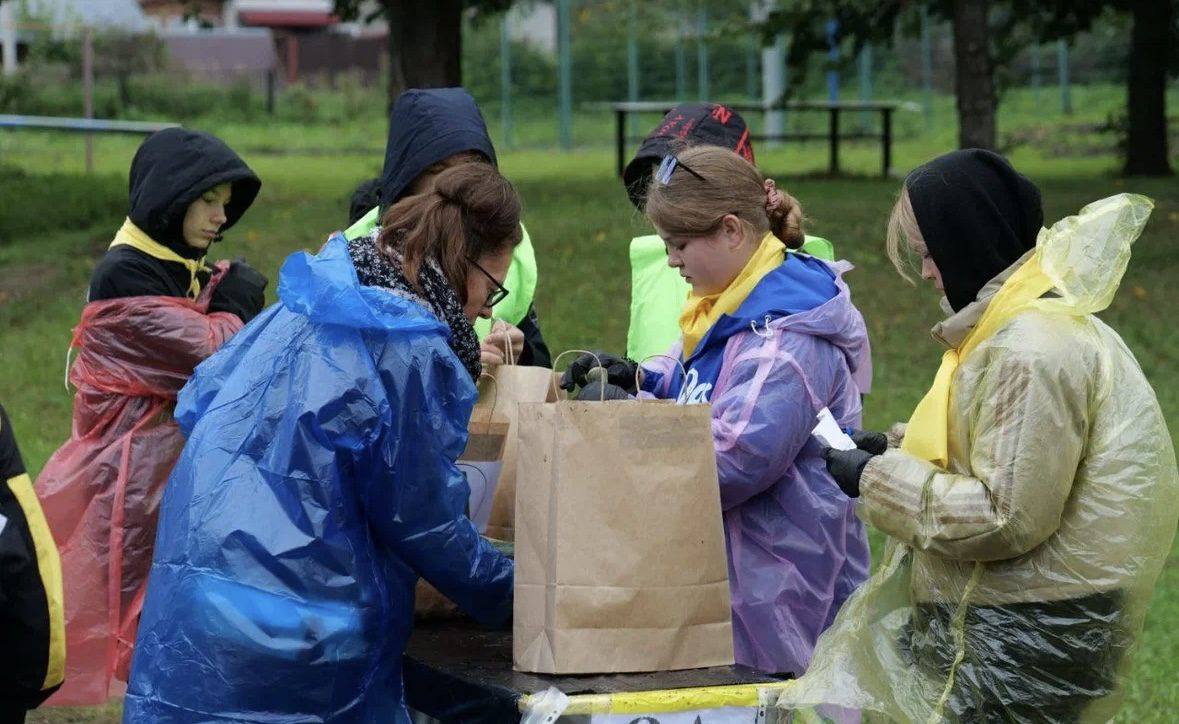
column 927, row 436
column 700, row 313
column 133, row 236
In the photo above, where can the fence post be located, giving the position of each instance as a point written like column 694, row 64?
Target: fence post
column 702, row 52
column 88, row 91
column 926, row 67
column 632, row 64
column 866, row 86
column 505, row 78
column 565, row 82
column 773, row 73
column 833, row 57
column 1066, row 100
column 271, row 91
column 1035, row 58
column 751, row 68
column 681, row 60
column 8, row 35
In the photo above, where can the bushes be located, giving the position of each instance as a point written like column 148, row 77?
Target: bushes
column 33, row 204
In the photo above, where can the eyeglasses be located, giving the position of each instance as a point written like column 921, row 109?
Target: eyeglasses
column 668, row 166
column 498, row 293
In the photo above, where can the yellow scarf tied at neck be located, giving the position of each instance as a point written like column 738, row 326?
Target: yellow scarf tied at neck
column 700, row 313
column 131, row 235
column 927, row 436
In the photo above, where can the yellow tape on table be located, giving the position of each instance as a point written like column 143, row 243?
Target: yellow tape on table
column 667, row 700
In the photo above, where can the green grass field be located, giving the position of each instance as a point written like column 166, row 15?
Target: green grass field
column 580, row 222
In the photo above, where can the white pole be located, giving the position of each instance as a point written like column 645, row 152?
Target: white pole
column 8, row 35
column 773, row 73
column 229, row 15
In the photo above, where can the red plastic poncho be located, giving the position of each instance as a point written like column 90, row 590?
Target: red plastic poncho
column 101, row 490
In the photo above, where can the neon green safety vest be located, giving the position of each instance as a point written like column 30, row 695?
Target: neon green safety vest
column 520, row 280
column 658, row 293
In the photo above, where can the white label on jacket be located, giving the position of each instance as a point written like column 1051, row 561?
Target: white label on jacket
column 693, row 391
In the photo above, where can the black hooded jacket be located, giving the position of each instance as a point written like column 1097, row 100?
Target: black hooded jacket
column 171, row 169
column 431, row 125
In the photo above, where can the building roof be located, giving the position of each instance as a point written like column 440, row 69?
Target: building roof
column 287, row 18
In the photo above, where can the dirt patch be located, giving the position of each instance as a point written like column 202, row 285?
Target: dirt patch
column 21, row 280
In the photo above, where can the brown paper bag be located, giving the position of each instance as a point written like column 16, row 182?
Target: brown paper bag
column 620, row 551
column 510, row 385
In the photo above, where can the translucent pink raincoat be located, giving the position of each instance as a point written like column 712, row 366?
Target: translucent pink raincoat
column 101, row 490
column 796, row 548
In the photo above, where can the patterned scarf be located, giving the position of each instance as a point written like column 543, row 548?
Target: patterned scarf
column 375, row 269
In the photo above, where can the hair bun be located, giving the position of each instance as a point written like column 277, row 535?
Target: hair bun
column 785, row 215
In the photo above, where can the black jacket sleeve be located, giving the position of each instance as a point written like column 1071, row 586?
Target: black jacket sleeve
column 25, row 621
column 536, row 352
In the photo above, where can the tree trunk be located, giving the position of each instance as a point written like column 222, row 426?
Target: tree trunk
column 1146, row 143
column 975, row 76
column 425, row 44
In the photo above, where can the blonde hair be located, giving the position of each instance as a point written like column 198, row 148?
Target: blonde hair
column 690, row 206
column 902, row 226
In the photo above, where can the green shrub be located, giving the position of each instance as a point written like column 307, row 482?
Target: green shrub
column 34, row 204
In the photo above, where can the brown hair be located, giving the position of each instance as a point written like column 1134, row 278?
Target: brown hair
column 470, row 210
column 901, row 224
column 689, row 206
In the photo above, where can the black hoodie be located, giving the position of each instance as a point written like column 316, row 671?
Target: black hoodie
column 428, row 126
column 171, row 169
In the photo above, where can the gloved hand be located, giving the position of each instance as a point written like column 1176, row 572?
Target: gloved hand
column 597, row 391
column 868, row 441
column 240, row 291
column 619, row 371
column 846, row 466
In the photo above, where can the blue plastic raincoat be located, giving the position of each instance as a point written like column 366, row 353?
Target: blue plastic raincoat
column 317, row 484
column 796, row 548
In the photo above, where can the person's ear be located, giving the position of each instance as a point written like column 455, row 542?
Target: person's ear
column 733, row 230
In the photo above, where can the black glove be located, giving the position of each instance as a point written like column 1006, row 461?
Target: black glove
column 619, row 371
column 846, row 466
column 597, row 390
column 873, row 442
column 240, row 291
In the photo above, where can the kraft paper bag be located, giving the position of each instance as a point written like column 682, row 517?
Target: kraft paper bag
column 620, row 550
column 508, row 386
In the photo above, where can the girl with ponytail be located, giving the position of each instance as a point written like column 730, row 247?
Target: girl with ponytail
column 770, row 339
column 319, row 479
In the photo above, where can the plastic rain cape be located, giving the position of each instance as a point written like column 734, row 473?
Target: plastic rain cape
column 917, row 602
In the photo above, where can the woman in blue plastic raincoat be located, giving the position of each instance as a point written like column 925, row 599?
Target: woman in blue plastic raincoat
column 770, row 339
column 319, row 478
column 1034, row 497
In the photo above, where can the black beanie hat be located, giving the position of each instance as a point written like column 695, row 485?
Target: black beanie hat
column 695, row 124
column 978, row 216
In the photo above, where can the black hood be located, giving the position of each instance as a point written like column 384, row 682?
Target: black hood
column 428, row 126
column 171, row 169
column 978, row 216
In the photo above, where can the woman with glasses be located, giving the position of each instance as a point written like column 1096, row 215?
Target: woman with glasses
column 319, row 479
column 770, row 339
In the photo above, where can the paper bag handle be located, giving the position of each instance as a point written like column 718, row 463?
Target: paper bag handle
column 556, row 390
column 639, row 367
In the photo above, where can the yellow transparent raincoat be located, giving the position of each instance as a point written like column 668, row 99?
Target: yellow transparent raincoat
column 1017, row 574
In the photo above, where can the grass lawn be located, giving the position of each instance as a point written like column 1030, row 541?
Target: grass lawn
column 580, row 222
